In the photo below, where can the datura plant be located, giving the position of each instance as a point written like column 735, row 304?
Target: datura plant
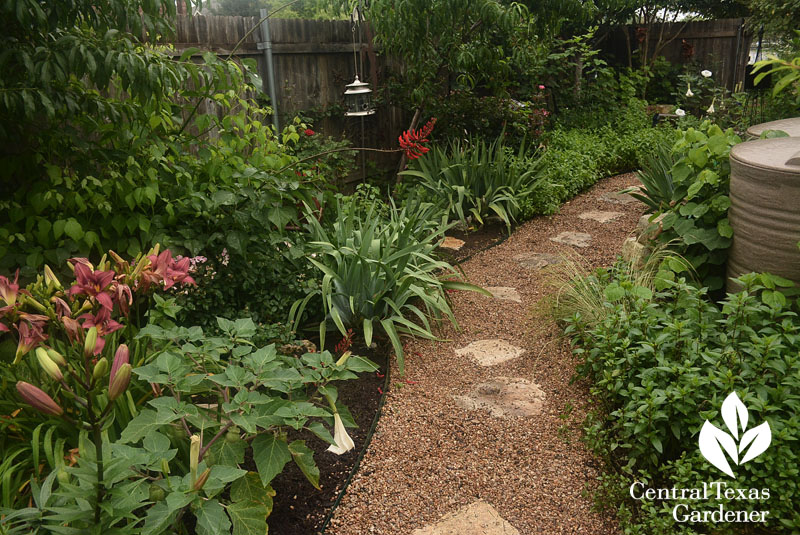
column 201, row 406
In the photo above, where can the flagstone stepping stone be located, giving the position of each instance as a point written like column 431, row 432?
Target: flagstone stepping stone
column 536, row 260
column 600, row 216
column 576, row 239
column 450, row 242
column 618, row 198
column 505, row 293
column 490, row 352
column 478, row 518
column 505, row 397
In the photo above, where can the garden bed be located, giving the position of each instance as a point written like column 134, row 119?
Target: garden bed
column 299, row 508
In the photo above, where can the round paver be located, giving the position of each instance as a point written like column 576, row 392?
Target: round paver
column 505, row 397
column 505, row 293
column 576, row 239
column 490, row 352
column 600, row 216
column 537, row 260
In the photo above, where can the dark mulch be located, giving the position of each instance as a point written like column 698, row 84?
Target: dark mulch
column 300, row 509
column 475, row 240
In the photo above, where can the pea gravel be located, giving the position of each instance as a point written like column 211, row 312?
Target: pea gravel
column 430, row 457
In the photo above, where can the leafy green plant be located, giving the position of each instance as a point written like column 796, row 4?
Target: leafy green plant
column 658, row 190
column 474, row 179
column 588, row 294
column 218, row 400
column 80, row 377
column 375, row 272
column 696, row 223
column 662, row 362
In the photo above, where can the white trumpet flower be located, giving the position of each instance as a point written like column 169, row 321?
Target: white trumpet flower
column 689, row 93
column 343, row 441
column 710, row 109
column 679, row 112
column 706, row 73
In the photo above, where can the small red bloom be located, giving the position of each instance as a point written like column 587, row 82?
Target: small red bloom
column 309, row 132
column 411, row 142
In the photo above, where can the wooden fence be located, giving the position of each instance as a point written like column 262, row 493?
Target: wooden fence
column 313, row 62
column 720, row 46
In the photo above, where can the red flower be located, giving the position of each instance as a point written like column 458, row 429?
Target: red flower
column 163, row 268
column 309, row 132
column 92, row 283
column 30, row 334
column 411, row 142
column 104, row 324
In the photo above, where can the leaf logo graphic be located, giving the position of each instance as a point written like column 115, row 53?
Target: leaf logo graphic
column 715, row 443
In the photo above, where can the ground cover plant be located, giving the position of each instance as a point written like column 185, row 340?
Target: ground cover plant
column 662, row 358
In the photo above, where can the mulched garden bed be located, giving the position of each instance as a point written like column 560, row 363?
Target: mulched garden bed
column 300, row 509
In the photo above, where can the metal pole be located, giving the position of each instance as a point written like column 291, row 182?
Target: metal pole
column 266, row 46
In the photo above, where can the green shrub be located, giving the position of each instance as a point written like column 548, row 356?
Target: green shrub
column 375, row 271
column 576, row 158
column 661, row 364
column 696, row 221
column 475, row 178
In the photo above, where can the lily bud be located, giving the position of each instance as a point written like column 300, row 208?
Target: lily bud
column 198, row 485
column 100, row 369
column 50, row 277
column 56, row 357
column 120, row 357
column 91, row 342
column 117, row 258
column 194, row 455
column 120, row 382
column 164, row 467
column 343, row 358
column 47, row 364
column 38, row 399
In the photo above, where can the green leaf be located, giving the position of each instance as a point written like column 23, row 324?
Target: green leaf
column 145, row 423
column 270, row 455
column 614, row 292
column 250, row 489
column 73, row 229
column 304, row 458
column 212, row 519
column 229, row 453
column 724, row 228
column 698, row 157
column 249, row 518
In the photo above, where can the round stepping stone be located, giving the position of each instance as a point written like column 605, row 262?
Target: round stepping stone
column 505, row 293
column 505, row 397
column 490, row 352
column 576, row 239
column 478, row 518
column 600, row 216
column 536, row 260
column 450, row 242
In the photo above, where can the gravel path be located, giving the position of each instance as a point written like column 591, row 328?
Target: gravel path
column 430, row 457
